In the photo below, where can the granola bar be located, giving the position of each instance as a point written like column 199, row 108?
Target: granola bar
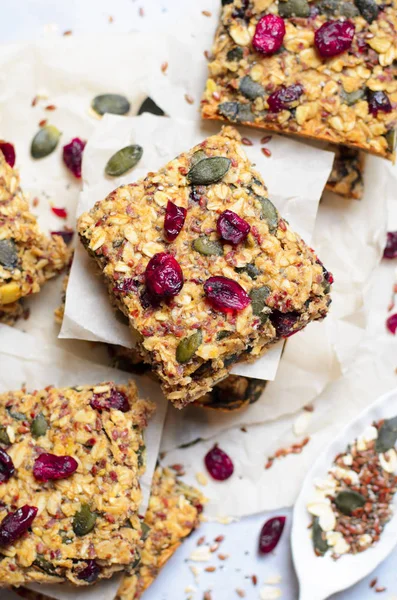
column 27, row 257
column 225, row 288
column 323, row 69
column 70, row 461
column 346, row 177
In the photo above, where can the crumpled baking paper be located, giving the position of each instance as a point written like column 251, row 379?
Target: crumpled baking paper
column 25, row 361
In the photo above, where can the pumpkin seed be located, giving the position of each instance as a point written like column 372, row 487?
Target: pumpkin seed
column 387, row 435
column 197, row 157
column 136, row 561
column 319, row 541
column 221, row 335
column 209, row 170
column 145, row 531
column 45, row 141
column 250, row 88
column 258, row 302
column 255, row 389
column 188, row 346
column 149, row 106
column 236, row 112
column 8, row 254
column 391, row 138
column 110, row 103
column 230, row 360
column 38, row 426
column 4, row 439
column 251, row 270
column 269, row 213
column 236, row 53
column 348, row 10
column 347, row 501
column 368, row 9
column 65, row 537
column 352, row 97
column 124, row 160
column 337, row 8
column 84, row 520
column 294, row 8
column 18, row 416
column 208, row 247
column 44, row 564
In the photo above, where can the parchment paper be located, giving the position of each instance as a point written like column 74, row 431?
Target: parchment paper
column 23, row 360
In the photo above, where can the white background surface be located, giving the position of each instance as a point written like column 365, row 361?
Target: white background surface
column 23, row 20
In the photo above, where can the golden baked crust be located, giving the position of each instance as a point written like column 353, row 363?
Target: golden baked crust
column 327, row 109
column 109, row 449
column 125, row 230
column 346, row 177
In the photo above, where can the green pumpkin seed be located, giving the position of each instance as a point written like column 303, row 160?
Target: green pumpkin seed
column 197, row 157
column 124, row 160
column 149, row 106
column 387, row 436
column 250, row 88
column 188, row 346
column 110, row 103
column 391, row 138
column 44, row 564
column 337, row 8
column 136, row 561
column 208, row 247
column 221, row 335
column 84, row 520
column 348, row 501
column 209, row 170
column 4, row 439
column 269, row 213
column 251, row 270
column 236, row 112
column 258, row 302
column 38, row 426
column 318, row 536
column 65, row 538
column 294, row 8
column 368, row 9
column 348, row 10
column 352, row 97
column 18, row 416
column 145, row 531
column 45, row 141
column 8, row 254
column 236, row 53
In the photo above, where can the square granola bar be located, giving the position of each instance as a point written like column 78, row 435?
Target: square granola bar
column 70, row 462
column 28, row 258
column 323, row 69
column 206, row 270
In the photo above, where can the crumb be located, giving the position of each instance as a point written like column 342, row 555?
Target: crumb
column 189, row 99
column 206, row 13
column 67, row 32
column 164, row 67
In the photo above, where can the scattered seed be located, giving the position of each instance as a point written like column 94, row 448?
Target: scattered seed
column 207, row 596
column 240, row 593
column 123, row 160
column 223, row 556
column 45, row 141
column 219, row 538
column 206, row 13
column 373, row 582
column 43, row 122
column 309, row 408
column 51, row 107
column 110, row 19
column 214, row 547
column 378, row 590
column 164, row 67
column 201, row 540
column 189, row 99
column 266, row 139
column 246, row 141
column 34, row 101
column 67, row 32
column 266, row 152
column 35, row 201
column 210, row 569
column 254, row 579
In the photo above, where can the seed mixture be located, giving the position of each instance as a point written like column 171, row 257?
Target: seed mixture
column 223, row 290
column 352, row 506
column 27, row 257
column 70, row 462
column 323, row 69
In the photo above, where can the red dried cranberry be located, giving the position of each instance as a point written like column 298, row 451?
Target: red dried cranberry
column 73, row 156
column 174, row 219
column 284, row 323
column 225, row 294
column 334, row 37
column 67, row 236
column 281, row 98
column 270, row 534
column 378, row 102
column 15, row 524
column 9, row 152
column 126, row 285
column 116, row 401
column 48, row 467
column 232, row 228
column 391, row 245
column 90, row 573
column 164, row 277
column 391, row 324
column 219, row 464
column 7, row 468
column 269, row 34
column 62, row 213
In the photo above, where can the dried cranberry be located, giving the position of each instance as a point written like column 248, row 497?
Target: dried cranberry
column 15, row 524
column 73, row 156
column 391, row 324
column 391, row 245
column 7, row 468
column 116, row 401
column 284, row 322
column 8, row 151
column 174, row 219
column 378, row 102
column 62, row 213
column 219, row 464
column 126, row 285
column 225, row 294
column 232, row 228
column 66, row 235
column 281, row 98
column 164, row 277
column 269, row 34
column 334, row 37
column 270, row 534
column 90, row 573
column 48, row 467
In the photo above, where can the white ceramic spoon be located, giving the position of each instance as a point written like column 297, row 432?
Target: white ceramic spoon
column 321, row 576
